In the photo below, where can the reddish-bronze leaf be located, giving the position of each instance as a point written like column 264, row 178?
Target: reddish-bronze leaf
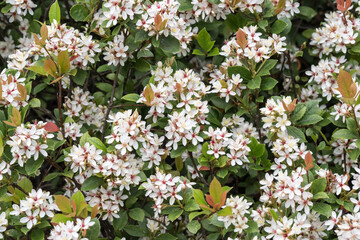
column 342, row 6
column 223, row 198
column 43, row 33
column 158, row 21
column 22, row 91
column 292, row 105
column 51, row 127
column 206, row 207
column 210, row 200
column 204, row 168
column 241, row 39
column 308, row 161
column 94, row 211
column 50, row 67
column 347, row 86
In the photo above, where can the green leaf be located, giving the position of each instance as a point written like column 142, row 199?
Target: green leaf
column 278, row 26
column 225, row 211
column 137, row 214
column 169, row 44
column 61, row 218
column 273, row 214
column 322, row 208
column 307, row 12
column 215, row 190
column 35, row 103
column 63, row 203
column 177, row 153
column 93, row 232
column 194, row 215
column 296, row 133
column 120, row 223
column 298, row 112
column 345, row 134
column 244, row 73
column 199, row 196
column 131, row 97
column 54, row 12
column 191, row 205
column 309, row 119
column 193, row 226
column 318, row 185
column 185, row 5
column 84, row 139
column 257, row 150
column 144, row 53
column 268, row 83
column 26, row 184
column 266, row 67
column 135, row 231
column 204, row 40
column 320, row 195
column 64, row 61
column 254, row 83
column 80, row 77
column 173, row 213
column 37, row 234
column 31, row 165
column 91, row 183
column 78, row 197
column 79, row 12
column 214, row 52
column 98, row 144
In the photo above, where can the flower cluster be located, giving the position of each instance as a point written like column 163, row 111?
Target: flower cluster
column 71, row 230
column 20, row 8
column 13, row 92
column 164, row 187
column 37, row 205
column 83, row 109
column 29, row 141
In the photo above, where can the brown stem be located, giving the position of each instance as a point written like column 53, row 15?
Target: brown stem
column 110, row 103
column 196, row 169
column 59, row 102
column 291, row 73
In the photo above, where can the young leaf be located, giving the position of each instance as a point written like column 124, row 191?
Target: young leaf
column 63, row 203
column 50, row 67
column 54, row 12
column 347, row 87
column 308, row 161
column 51, row 127
column 64, row 61
column 241, row 38
column 215, row 190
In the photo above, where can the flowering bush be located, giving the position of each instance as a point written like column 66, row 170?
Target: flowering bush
column 179, row 119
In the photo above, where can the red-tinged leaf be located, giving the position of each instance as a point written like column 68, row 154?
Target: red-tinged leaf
column 73, row 204
column 342, row 6
column 308, row 161
column 158, row 21
column 210, row 200
column 43, row 33
column 223, row 198
column 206, row 207
column 241, row 38
column 292, row 105
column 204, row 168
column 64, row 61
column 63, row 203
column 94, row 211
column 50, row 67
column 51, row 127
column 347, row 86
column 10, row 124
column 22, row 91
column 36, row 39
column 215, row 190
column 16, row 117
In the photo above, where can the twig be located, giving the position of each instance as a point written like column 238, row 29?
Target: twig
column 111, row 102
column 196, row 169
column 291, row 73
